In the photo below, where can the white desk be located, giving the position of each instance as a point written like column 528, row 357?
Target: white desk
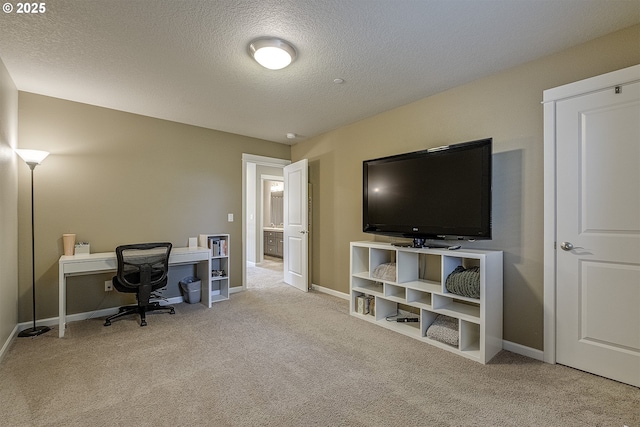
column 77, row 265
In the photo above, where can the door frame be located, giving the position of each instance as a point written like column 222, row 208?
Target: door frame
column 258, row 161
column 549, row 100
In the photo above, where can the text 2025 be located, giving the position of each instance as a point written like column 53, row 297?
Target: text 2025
column 31, row 8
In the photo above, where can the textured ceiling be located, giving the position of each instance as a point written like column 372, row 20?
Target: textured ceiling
column 187, row 61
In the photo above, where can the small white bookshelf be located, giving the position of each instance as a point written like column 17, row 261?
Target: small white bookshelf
column 216, row 279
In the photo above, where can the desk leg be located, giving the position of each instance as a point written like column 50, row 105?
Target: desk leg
column 62, row 307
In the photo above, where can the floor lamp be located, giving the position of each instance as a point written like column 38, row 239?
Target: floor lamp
column 33, row 158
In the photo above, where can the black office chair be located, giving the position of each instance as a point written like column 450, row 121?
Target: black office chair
column 142, row 269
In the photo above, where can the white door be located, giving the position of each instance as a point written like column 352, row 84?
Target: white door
column 598, row 233
column 296, row 234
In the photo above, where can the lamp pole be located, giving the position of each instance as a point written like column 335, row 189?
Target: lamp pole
column 27, row 156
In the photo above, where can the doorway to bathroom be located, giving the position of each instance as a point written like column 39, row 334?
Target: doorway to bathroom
column 263, row 220
column 268, row 270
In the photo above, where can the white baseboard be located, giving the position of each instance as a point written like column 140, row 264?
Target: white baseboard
column 236, row 289
column 8, row 342
column 53, row 321
column 330, row 292
column 523, row 350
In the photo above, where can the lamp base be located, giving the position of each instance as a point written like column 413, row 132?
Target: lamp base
column 34, row 332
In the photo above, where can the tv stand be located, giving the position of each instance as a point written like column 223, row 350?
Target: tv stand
column 415, row 279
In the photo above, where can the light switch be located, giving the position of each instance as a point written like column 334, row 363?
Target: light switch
column 230, row 217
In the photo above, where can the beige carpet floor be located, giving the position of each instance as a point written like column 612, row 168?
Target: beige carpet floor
column 266, row 274
column 275, row 356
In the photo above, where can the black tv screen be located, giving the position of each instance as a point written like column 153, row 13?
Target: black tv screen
column 440, row 193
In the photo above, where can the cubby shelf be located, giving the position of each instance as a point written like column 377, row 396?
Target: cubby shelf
column 419, row 284
column 215, row 281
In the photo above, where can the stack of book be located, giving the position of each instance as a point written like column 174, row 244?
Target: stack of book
column 365, row 304
column 218, row 247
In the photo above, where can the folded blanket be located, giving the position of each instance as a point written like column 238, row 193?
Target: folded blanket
column 445, row 330
column 386, row 272
column 464, row 281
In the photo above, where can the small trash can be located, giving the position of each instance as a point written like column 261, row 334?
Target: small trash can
column 190, row 287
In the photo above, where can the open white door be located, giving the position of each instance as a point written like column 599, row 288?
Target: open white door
column 296, row 234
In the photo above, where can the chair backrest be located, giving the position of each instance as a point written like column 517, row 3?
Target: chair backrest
column 143, row 263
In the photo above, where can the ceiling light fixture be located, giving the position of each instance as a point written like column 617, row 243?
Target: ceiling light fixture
column 272, row 53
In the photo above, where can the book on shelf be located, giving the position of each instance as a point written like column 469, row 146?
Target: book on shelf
column 218, row 246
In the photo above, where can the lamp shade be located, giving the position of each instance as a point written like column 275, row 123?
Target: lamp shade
column 32, row 156
column 272, row 53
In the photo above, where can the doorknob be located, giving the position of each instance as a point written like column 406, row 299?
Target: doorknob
column 566, row 246
column 303, row 232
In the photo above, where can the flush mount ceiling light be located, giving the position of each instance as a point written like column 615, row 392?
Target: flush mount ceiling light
column 272, row 53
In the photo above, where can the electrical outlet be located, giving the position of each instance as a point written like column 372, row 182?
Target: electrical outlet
column 108, row 285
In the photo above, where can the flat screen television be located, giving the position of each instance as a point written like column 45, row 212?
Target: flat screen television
column 435, row 194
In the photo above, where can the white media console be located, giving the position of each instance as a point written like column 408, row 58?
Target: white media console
column 417, row 284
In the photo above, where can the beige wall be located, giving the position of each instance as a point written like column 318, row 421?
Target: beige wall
column 505, row 106
column 8, row 206
column 114, row 178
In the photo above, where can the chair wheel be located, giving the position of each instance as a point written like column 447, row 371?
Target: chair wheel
column 172, row 311
column 107, row 323
column 143, row 323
